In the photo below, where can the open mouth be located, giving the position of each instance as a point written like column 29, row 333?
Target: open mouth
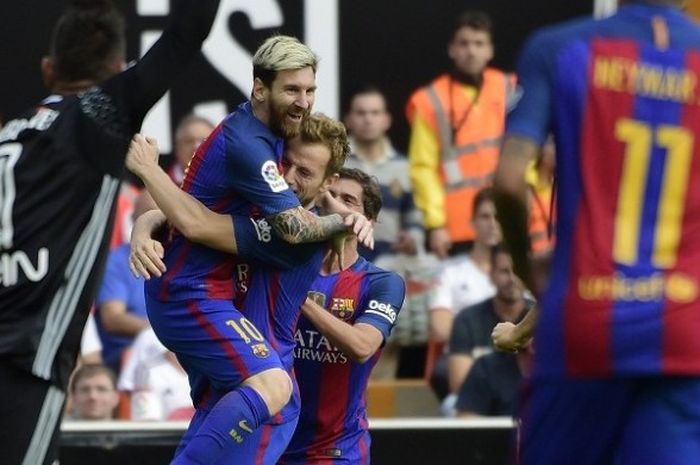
column 295, row 117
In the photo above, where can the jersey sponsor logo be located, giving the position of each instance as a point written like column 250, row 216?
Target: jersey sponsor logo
column 313, row 346
column 342, row 308
column 317, row 297
column 17, row 263
column 272, row 177
column 385, row 310
column 675, row 287
column 262, row 229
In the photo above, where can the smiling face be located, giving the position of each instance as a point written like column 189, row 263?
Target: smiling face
column 290, row 99
column 305, row 167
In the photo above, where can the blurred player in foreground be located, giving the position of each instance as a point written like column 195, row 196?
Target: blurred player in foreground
column 620, row 315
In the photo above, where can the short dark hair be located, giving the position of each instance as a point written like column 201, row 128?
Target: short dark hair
column 498, row 249
column 92, row 369
column 371, row 193
column 87, row 38
column 474, row 19
column 364, row 89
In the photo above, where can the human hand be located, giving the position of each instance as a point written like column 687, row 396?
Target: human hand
column 146, row 257
column 440, row 242
column 142, row 155
column 504, row 337
column 359, row 225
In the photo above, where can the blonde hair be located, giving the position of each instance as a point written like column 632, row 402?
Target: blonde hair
column 280, row 53
column 318, row 128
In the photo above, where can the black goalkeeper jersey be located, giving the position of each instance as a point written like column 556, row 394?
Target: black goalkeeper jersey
column 60, row 171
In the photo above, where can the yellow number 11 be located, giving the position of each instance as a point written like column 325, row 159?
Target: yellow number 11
column 639, row 138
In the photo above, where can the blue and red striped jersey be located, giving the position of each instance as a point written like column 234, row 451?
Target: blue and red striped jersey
column 621, row 96
column 235, row 171
column 333, row 420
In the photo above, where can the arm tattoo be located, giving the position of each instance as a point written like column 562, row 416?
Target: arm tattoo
column 298, row 226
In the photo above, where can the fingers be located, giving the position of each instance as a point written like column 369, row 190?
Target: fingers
column 145, row 259
column 362, row 228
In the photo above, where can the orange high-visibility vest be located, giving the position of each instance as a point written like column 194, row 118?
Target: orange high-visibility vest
column 469, row 132
column 541, row 220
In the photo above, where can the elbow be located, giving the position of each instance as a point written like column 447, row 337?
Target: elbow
column 192, row 230
column 361, row 354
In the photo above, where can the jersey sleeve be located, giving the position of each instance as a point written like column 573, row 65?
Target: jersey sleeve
column 385, row 296
column 531, row 116
column 252, row 172
column 140, row 87
column 256, row 240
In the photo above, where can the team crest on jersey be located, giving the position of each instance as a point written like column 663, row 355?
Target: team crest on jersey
column 342, row 307
column 272, row 177
column 260, row 350
column 318, row 297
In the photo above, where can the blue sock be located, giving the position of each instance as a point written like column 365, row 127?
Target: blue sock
column 234, row 417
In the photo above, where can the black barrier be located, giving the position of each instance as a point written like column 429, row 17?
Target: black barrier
column 394, row 442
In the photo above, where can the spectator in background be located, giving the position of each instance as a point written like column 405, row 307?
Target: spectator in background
column 462, row 281
column 457, row 122
column 491, row 387
column 93, row 393
column 398, row 229
column 471, row 331
column 156, row 382
column 190, row 132
column 120, row 303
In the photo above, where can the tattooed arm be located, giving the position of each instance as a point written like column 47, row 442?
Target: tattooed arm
column 510, row 198
column 298, row 226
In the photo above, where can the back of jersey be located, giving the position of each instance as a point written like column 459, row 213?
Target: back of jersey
column 625, row 107
column 56, row 206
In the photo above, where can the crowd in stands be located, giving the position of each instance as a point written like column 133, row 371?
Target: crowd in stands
column 438, row 229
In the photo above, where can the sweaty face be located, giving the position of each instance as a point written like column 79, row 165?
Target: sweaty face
column 368, row 119
column 95, row 398
column 508, row 286
column 486, row 226
column 291, row 98
column 305, row 170
column 471, row 50
column 348, row 192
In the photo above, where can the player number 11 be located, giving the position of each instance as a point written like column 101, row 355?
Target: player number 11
column 640, row 138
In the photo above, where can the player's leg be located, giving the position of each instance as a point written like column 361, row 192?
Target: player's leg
column 264, row 447
column 31, row 411
column 214, row 341
column 664, row 427
column 572, row 422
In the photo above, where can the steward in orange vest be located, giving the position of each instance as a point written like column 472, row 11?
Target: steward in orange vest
column 457, row 123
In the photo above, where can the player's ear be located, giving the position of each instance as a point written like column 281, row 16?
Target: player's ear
column 260, row 90
column 48, row 72
column 328, row 182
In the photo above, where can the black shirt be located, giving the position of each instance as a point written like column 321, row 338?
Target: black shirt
column 60, row 169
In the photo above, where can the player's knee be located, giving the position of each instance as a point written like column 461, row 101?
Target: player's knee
column 274, row 386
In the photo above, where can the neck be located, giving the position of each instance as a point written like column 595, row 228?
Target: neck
column 481, row 256
column 260, row 111
column 508, row 311
column 72, row 87
column 330, row 261
column 468, row 79
column 370, row 150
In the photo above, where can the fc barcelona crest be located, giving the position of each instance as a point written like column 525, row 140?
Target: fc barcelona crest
column 260, row 350
column 343, row 308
